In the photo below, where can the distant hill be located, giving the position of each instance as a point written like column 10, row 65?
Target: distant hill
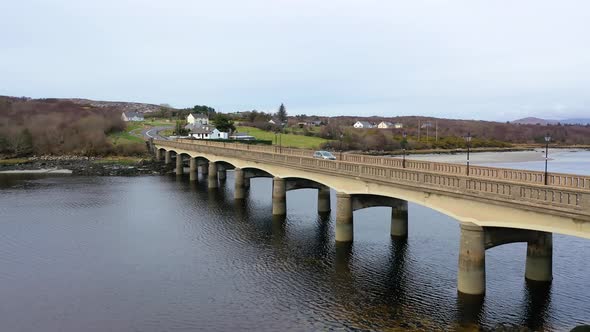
column 120, row 105
column 545, row 122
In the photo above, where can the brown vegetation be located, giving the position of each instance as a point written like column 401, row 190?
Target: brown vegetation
column 54, row 126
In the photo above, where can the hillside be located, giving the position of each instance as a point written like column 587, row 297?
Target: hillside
column 59, row 126
column 545, row 122
column 501, row 131
column 119, row 105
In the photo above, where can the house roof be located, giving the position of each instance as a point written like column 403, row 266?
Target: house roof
column 365, row 123
column 387, row 123
column 133, row 114
column 199, row 116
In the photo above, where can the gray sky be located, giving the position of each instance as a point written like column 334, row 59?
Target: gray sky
column 494, row 60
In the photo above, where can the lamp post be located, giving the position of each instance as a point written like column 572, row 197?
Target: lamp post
column 404, row 135
column 468, row 141
column 341, row 137
column 547, row 140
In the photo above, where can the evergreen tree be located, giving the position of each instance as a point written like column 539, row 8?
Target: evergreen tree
column 282, row 114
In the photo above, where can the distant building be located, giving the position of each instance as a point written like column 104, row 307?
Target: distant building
column 363, row 124
column 384, row 125
column 199, row 131
column 276, row 121
column 132, row 116
column 426, row 125
column 398, row 125
column 202, row 119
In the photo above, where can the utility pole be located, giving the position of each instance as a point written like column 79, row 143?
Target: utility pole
column 436, row 130
column 418, row 130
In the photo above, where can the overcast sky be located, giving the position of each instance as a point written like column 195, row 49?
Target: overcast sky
column 494, row 60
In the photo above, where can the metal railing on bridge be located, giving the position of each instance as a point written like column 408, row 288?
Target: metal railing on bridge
column 490, row 185
column 516, row 175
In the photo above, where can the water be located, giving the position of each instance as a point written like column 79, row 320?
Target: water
column 161, row 254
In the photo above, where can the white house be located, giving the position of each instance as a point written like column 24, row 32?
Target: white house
column 398, row 125
column 205, row 132
column 132, row 116
column 363, row 124
column 384, row 125
column 202, row 119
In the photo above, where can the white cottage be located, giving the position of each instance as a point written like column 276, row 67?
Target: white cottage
column 201, row 119
column 132, row 116
column 363, row 124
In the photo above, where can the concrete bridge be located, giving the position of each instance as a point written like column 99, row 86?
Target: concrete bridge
column 494, row 206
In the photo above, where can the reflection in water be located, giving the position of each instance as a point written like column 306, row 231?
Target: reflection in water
column 215, row 263
column 536, row 302
column 469, row 309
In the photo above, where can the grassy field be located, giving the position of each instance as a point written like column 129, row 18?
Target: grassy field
column 288, row 140
column 119, row 160
column 13, row 161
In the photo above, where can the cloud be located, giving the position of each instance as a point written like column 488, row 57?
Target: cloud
column 468, row 59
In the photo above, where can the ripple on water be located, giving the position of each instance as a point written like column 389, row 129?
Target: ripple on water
column 157, row 253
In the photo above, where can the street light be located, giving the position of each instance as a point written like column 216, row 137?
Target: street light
column 341, row 137
column 468, row 141
column 547, row 140
column 404, row 135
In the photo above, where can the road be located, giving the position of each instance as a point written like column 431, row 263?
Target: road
column 153, row 132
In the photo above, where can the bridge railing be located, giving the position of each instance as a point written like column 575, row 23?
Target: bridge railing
column 516, row 175
column 565, row 200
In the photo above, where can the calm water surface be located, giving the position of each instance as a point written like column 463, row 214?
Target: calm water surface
column 160, row 254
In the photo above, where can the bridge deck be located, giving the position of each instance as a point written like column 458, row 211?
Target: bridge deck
column 567, row 195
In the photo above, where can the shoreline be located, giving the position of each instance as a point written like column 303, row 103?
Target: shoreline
column 83, row 166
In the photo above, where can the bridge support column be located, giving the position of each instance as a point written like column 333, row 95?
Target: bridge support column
column 279, row 197
column 205, row 168
column 179, row 166
column 240, row 190
column 158, row 155
column 539, row 258
column 167, row 157
column 324, row 200
column 399, row 220
column 212, row 178
column 222, row 175
column 471, row 278
column 193, row 169
column 344, row 221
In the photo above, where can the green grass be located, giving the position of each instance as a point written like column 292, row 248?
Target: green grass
column 118, row 160
column 13, row 161
column 124, row 137
column 288, row 140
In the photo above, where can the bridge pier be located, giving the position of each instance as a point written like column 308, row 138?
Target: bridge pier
column 539, row 258
column 158, row 155
column 279, row 197
column 167, row 157
column 193, row 169
column 179, row 165
column 205, row 168
column 471, row 278
column 240, row 190
column 344, row 220
column 399, row 220
column 212, row 178
column 324, row 200
column 222, row 174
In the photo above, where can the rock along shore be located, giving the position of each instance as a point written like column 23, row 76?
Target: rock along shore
column 88, row 166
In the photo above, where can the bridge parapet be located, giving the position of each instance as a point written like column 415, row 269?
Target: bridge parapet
column 514, row 175
column 566, row 201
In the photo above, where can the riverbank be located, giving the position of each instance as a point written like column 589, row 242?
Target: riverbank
column 87, row 166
